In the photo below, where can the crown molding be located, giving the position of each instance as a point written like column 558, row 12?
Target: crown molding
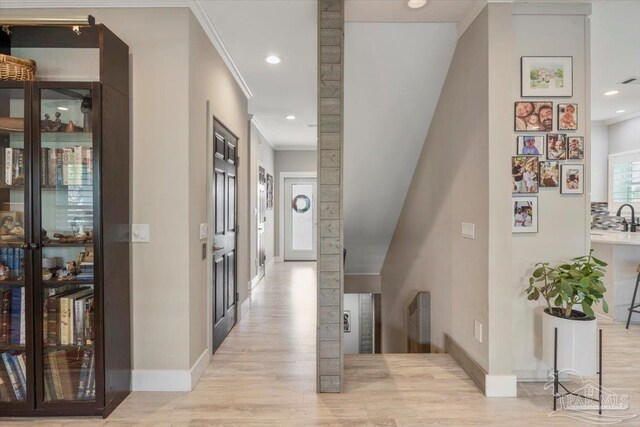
column 196, row 7
column 294, row 147
column 198, row 10
column 622, row 118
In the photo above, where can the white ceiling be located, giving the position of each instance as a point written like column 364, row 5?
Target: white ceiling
column 393, row 77
column 254, row 29
column 615, row 56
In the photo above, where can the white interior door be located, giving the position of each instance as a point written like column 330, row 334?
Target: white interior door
column 300, row 219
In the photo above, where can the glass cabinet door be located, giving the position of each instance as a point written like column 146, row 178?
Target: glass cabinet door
column 66, row 223
column 15, row 365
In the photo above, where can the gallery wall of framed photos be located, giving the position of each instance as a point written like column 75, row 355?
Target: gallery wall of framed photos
column 549, row 148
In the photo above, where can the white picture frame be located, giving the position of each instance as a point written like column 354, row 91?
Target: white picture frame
column 571, row 178
column 546, row 76
column 524, row 214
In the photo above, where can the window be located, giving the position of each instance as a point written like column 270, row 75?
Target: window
column 624, row 180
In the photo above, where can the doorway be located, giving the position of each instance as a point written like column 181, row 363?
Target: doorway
column 300, row 219
column 224, row 186
column 261, row 256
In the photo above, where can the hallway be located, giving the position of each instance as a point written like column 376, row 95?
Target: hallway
column 264, row 374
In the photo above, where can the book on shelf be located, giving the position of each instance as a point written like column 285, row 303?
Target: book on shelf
column 66, row 166
column 13, row 166
column 12, row 316
column 68, row 320
column 70, row 375
column 12, row 258
column 13, row 375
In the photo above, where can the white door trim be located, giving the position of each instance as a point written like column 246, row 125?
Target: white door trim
column 209, row 169
column 281, row 179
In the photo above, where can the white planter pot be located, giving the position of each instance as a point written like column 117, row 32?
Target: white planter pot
column 577, row 344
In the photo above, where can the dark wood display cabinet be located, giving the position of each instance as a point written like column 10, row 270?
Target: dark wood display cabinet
column 65, row 341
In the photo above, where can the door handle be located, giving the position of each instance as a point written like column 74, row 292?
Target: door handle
column 217, row 248
column 25, row 246
column 34, row 246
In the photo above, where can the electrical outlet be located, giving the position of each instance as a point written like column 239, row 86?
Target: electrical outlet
column 469, row 230
column 477, row 331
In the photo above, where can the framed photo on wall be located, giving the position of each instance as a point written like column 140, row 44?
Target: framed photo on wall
column 571, row 179
column 524, row 174
column 546, row 76
column 524, row 214
column 575, row 148
column 531, row 145
column 567, row 116
column 556, row 146
column 346, row 319
column 533, row 116
column 550, row 174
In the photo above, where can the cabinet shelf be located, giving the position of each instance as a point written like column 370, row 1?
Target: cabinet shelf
column 67, row 245
column 58, row 283
column 55, row 137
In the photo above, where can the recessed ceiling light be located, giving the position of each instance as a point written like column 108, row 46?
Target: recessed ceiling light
column 291, row 117
column 63, row 109
column 273, row 60
column 612, row 92
column 620, row 111
column 416, row 4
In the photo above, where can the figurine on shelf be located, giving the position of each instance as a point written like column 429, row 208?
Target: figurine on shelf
column 68, row 272
column 47, row 123
column 57, row 124
column 4, row 272
column 86, row 109
column 44, row 237
column 70, row 127
column 46, row 274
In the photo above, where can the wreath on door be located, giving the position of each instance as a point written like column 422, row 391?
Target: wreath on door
column 301, row 203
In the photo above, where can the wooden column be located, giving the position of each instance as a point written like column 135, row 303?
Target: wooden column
column 330, row 221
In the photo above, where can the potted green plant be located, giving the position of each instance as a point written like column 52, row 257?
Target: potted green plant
column 577, row 283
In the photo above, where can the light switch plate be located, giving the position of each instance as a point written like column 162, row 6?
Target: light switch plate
column 469, row 230
column 204, row 231
column 140, row 233
column 477, row 331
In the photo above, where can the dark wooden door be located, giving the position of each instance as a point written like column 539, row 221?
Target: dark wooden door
column 224, row 239
column 262, row 219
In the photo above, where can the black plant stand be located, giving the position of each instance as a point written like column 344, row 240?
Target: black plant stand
column 634, row 306
column 556, row 381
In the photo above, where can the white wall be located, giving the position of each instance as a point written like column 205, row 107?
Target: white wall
column 386, row 118
column 564, row 220
column 599, row 162
column 624, row 136
column 352, row 339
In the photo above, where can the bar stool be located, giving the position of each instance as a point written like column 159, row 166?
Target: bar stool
column 634, row 306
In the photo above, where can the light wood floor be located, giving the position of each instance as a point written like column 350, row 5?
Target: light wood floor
column 264, row 374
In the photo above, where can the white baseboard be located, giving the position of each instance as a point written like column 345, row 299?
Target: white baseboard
column 500, row 386
column 270, row 263
column 244, row 308
column 254, row 282
column 170, row 379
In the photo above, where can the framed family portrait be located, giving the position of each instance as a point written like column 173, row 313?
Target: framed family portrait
column 575, row 148
column 549, row 174
column 533, row 116
column 556, row 146
column 546, row 76
column 531, row 145
column 571, row 179
column 524, row 174
column 524, row 214
column 567, row 116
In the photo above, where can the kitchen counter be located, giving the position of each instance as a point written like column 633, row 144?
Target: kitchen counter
column 616, row 238
column 622, row 252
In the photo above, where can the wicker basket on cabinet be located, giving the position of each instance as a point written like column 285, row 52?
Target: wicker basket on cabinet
column 17, row 69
